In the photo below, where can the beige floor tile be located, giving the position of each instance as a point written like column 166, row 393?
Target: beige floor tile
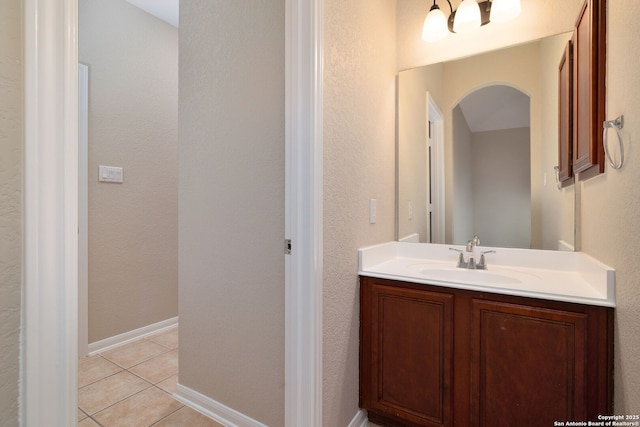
column 106, row 392
column 169, row 385
column 142, row 409
column 186, row 416
column 88, row 422
column 167, row 339
column 94, row 368
column 81, row 415
column 134, row 353
column 159, row 368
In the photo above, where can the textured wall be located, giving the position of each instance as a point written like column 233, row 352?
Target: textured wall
column 359, row 153
column 133, row 121
column 610, row 207
column 10, row 206
column 232, row 203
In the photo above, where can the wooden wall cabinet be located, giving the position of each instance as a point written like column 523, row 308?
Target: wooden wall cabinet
column 434, row 356
column 588, row 92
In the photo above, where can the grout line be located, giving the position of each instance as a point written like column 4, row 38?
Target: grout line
column 150, row 384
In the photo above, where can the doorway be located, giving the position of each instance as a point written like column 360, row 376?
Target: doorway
column 51, row 206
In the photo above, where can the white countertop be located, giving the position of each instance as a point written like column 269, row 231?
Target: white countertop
column 552, row 275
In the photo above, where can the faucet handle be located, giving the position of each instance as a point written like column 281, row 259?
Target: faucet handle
column 482, row 264
column 476, row 240
column 461, row 262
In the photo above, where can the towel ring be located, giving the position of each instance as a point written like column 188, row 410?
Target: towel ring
column 618, row 124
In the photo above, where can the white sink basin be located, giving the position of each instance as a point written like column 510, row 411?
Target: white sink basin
column 491, row 277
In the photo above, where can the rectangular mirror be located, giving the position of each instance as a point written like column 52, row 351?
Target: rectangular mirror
column 477, row 147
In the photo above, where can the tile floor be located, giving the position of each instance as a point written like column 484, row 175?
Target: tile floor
column 132, row 385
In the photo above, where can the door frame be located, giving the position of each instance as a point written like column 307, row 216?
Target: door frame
column 49, row 341
column 83, row 210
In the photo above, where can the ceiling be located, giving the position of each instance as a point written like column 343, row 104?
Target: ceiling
column 167, row 10
column 496, row 108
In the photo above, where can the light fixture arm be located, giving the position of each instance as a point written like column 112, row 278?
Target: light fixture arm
column 485, row 10
column 435, row 5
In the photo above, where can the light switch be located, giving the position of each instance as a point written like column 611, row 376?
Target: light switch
column 110, row 174
column 372, row 211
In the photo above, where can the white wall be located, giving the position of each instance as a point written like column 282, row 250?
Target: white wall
column 231, row 204
column 459, row 221
column 133, row 123
column 501, row 187
column 10, row 207
column 359, row 164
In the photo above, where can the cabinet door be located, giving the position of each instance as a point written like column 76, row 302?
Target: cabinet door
column 528, row 365
column 589, row 93
column 406, row 355
column 565, row 116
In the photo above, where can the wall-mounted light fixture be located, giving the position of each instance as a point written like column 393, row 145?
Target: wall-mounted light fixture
column 469, row 16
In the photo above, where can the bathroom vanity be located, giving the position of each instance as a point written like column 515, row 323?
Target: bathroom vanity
column 528, row 341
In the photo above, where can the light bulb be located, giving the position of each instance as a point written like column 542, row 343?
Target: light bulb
column 435, row 26
column 504, row 10
column 467, row 17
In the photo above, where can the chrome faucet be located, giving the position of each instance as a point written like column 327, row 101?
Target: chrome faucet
column 471, row 258
column 471, row 244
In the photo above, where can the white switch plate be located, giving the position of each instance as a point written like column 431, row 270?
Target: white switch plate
column 372, row 211
column 110, row 174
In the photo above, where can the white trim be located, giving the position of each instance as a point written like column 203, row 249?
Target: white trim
column 48, row 356
column 118, row 340
column 213, row 409
column 359, row 419
column 83, row 210
column 303, row 213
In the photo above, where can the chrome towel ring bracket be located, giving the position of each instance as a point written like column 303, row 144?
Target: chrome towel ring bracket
column 618, row 124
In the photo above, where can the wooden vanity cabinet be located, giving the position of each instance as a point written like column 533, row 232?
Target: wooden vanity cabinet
column 436, row 356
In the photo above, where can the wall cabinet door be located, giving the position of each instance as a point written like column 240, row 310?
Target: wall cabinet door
column 406, row 374
column 589, row 89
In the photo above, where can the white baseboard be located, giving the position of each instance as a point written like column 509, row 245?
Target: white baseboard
column 213, row 409
column 118, row 340
column 359, row 419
